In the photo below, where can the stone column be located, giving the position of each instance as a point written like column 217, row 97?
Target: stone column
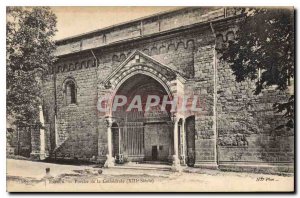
column 183, row 139
column 110, row 161
column 176, row 162
column 119, row 131
column 38, row 139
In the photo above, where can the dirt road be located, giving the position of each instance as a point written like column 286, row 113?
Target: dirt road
column 29, row 176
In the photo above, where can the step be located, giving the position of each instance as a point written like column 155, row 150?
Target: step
column 144, row 166
column 155, row 162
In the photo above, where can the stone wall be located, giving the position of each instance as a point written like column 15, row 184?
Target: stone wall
column 160, row 135
column 233, row 120
column 138, row 28
column 247, row 122
column 77, row 123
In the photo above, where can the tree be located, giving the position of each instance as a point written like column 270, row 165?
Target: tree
column 29, row 52
column 264, row 49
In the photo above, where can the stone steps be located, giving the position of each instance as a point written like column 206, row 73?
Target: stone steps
column 155, row 162
column 149, row 166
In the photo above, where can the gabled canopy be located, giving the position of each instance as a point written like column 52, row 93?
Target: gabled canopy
column 139, row 61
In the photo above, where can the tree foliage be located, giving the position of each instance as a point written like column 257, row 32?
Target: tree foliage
column 29, row 51
column 263, row 50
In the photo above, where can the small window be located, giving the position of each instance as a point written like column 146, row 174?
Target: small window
column 70, row 92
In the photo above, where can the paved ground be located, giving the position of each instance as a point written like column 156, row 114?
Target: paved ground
column 25, row 175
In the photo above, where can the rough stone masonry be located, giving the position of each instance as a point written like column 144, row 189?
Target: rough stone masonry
column 174, row 53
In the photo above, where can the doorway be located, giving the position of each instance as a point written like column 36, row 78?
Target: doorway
column 143, row 135
column 154, row 153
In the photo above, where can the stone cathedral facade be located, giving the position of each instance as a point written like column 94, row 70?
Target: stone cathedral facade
column 175, row 54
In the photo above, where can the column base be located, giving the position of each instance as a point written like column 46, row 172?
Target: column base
column 110, row 162
column 176, row 166
column 183, row 160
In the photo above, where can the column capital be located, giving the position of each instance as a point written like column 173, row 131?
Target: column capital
column 175, row 117
column 109, row 121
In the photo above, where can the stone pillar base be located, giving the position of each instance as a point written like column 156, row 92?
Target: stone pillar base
column 176, row 167
column 110, row 162
column 38, row 156
column 183, row 160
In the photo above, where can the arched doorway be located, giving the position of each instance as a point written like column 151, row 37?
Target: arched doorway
column 144, row 135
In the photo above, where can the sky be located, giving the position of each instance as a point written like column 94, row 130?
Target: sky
column 77, row 20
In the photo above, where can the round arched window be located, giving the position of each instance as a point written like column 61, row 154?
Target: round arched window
column 70, row 92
